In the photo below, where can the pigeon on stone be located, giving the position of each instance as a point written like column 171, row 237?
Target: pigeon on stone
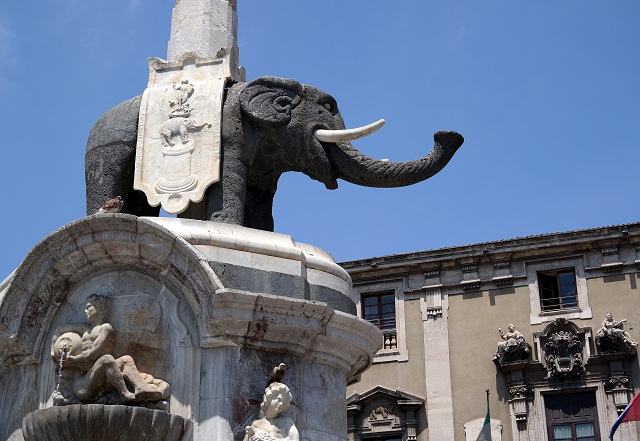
column 277, row 374
column 112, row 206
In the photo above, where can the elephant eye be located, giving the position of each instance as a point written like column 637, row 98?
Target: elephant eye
column 327, row 106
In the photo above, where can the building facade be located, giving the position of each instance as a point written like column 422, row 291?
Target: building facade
column 547, row 324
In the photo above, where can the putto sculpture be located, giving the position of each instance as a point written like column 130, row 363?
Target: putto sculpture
column 611, row 337
column 513, row 346
column 272, row 424
column 88, row 372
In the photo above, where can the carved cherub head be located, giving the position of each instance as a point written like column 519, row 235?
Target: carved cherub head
column 276, row 400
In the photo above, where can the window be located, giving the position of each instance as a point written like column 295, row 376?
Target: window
column 558, row 290
column 572, row 417
column 380, row 310
column 382, row 304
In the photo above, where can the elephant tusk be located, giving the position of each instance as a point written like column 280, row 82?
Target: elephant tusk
column 347, row 135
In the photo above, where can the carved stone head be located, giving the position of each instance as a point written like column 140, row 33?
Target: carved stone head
column 276, row 400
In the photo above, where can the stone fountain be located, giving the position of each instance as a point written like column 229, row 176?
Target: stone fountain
column 132, row 327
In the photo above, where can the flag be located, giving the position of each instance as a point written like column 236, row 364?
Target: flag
column 485, row 433
column 630, row 413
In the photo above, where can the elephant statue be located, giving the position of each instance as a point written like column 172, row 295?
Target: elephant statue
column 179, row 126
column 269, row 126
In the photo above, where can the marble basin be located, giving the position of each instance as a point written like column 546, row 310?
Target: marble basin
column 99, row 422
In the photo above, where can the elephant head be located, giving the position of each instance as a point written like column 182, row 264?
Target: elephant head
column 276, row 125
column 269, row 126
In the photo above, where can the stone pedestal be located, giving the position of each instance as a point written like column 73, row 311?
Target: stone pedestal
column 210, row 308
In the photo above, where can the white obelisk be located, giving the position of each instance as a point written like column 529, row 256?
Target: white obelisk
column 206, row 27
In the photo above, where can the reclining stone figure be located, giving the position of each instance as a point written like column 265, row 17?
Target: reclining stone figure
column 88, row 372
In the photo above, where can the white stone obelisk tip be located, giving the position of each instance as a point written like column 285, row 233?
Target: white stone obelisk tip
column 208, row 28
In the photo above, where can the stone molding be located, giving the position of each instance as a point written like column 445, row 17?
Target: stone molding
column 206, row 329
column 42, row 283
column 303, row 328
column 204, row 234
column 176, row 249
column 503, row 264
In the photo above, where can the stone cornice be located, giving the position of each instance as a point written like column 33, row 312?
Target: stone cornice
column 520, row 247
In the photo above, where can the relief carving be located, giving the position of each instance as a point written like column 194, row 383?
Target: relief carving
column 178, row 148
column 563, row 355
column 88, row 372
column 381, row 418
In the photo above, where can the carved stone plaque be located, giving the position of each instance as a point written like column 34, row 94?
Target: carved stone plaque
column 178, row 147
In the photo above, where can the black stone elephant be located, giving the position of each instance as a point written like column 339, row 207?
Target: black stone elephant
column 269, row 126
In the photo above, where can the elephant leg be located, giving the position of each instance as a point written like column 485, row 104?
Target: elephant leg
column 110, row 160
column 108, row 173
column 225, row 199
column 184, row 134
column 258, row 209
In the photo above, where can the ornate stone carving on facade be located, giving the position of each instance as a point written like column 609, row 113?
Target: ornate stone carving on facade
column 381, row 419
column 513, row 348
column 611, row 337
column 272, row 423
column 519, row 396
column 383, row 412
column 563, row 353
column 618, row 386
column 87, row 372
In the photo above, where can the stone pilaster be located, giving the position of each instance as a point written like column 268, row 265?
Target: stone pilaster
column 437, row 366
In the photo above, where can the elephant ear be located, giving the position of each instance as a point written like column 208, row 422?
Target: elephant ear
column 270, row 100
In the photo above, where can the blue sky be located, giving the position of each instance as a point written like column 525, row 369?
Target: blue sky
column 546, row 94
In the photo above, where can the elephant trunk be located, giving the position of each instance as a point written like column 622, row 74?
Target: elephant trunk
column 355, row 167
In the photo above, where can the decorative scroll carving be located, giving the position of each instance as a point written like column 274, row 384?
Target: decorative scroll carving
column 563, row 355
column 513, row 348
column 618, row 385
column 562, row 345
column 611, row 337
column 88, row 372
column 519, row 397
